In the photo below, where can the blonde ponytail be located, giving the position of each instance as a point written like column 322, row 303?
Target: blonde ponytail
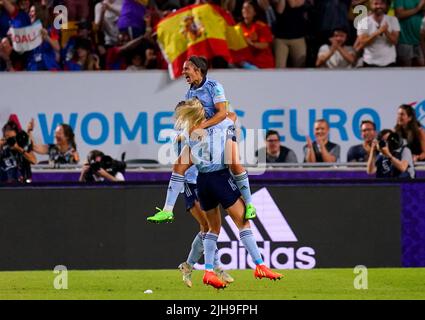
column 189, row 115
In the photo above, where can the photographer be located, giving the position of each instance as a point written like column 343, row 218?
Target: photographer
column 16, row 155
column 394, row 159
column 100, row 167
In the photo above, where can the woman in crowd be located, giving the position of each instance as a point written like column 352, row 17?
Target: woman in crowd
column 258, row 36
column 63, row 151
column 409, row 128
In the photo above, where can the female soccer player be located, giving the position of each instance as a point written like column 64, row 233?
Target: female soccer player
column 208, row 150
column 211, row 95
column 193, row 206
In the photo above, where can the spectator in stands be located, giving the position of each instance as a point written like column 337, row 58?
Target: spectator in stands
column 4, row 21
column 289, row 30
column 394, row 159
column 84, row 59
column 16, row 155
column 330, row 14
column 84, row 33
column 410, row 129
column 337, row 55
column 258, row 36
column 361, row 152
column 321, row 150
column 63, row 151
column 18, row 17
column 144, row 58
column 47, row 55
column 116, row 57
column 24, row 5
column 379, row 40
column 106, row 17
column 78, row 9
column 6, row 53
column 410, row 14
column 131, row 19
column 275, row 152
column 99, row 168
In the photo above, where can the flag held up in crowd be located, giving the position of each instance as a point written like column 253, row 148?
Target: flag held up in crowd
column 27, row 38
column 205, row 30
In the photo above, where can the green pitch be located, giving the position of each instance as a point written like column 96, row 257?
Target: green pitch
column 167, row 284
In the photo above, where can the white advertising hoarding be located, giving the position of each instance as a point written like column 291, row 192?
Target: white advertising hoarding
column 126, row 111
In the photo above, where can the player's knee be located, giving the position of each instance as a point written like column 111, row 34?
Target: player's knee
column 179, row 169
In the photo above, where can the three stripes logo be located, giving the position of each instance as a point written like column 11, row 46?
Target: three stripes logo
column 275, row 238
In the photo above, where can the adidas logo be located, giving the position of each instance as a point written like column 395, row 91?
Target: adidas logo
column 272, row 233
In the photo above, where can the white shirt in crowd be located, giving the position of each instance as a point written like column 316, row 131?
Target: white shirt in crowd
column 336, row 60
column 110, row 28
column 119, row 176
column 381, row 52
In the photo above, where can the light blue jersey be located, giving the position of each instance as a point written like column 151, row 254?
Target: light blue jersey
column 208, row 154
column 209, row 93
column 192, row 173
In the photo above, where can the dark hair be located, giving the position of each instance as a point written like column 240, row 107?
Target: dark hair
column 387, row 2
column 69, row 134
column 201, row 63
column 368, row 122
column 272, row 132
column 322, row 120
column 10, row 126
column 259, row 13
column 383, row 132
column 340, row 29
column 181, row 103
column 412, row 131
column 92, row 155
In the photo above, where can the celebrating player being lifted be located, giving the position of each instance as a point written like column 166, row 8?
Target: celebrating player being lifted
column 211, row 95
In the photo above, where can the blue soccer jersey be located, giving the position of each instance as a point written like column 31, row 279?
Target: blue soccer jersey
column 209, row 93
column 208, row 153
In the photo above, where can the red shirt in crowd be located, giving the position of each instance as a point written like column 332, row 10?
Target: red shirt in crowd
column 260, row 32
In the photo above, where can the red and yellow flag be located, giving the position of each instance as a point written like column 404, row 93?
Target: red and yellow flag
column 205, row 30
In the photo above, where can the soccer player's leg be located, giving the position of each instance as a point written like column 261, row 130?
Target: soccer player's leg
column 209, row 203
column 236, row 212
column 175, row 186
column 240, row 176
column 210, row 247
column 197, row 247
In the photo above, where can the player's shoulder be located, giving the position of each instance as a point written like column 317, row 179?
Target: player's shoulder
column 212, row 84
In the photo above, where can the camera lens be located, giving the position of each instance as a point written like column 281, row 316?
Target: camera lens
column 11, row 141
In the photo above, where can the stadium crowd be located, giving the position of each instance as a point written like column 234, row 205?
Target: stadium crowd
column 389, row 153
column 120, row 34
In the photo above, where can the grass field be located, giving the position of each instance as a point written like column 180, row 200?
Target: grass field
column 167, row 284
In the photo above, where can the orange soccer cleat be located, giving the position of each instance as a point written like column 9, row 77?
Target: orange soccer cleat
column 211, row 279
column 261, row 271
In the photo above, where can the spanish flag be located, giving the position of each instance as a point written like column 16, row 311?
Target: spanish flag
column 203, row 30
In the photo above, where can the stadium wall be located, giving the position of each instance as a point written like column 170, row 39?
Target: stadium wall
column 132, row 111
column 300, row 225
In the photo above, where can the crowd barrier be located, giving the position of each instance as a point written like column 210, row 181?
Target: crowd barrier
column 301, row 224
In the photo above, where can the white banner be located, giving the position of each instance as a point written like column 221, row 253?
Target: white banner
column 27, row 38
column 127, row 111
